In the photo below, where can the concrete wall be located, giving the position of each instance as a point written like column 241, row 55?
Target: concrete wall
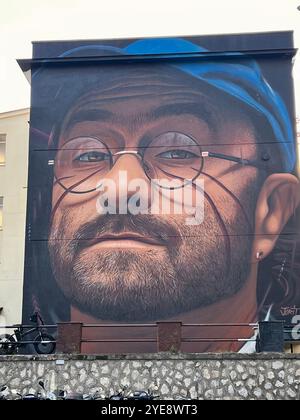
column 13, row 187
column 211, row 376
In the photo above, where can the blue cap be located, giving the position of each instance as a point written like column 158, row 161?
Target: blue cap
column 244, row 81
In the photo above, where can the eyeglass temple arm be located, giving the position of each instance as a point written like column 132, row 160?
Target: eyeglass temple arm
column 233, row 159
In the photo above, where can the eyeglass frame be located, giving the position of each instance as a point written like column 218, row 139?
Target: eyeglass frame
column 245, row 162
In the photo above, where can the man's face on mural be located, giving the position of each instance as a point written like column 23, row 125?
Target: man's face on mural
column 148, row 267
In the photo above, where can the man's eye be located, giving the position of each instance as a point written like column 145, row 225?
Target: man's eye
column 92, row 156
column 177, row 154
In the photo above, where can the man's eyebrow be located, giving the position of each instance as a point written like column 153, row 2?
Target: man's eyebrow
column 83, row 115
column 197, row 109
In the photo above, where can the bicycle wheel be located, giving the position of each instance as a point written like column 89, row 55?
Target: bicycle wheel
column 42, row 345
column 7, row 344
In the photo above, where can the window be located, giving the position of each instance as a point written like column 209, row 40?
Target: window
column 1, row 213
column 2, row 148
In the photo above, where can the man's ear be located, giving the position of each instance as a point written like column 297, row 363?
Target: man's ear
column 277, row 202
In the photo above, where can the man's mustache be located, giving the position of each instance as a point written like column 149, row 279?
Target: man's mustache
column 148, row 226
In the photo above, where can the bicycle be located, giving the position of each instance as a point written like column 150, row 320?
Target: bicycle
column 136, row 395
column 43, row 342
column 3, row 392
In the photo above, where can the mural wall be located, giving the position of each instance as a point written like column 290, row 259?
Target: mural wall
column 163, row 186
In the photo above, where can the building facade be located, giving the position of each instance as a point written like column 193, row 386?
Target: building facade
column 123, row 121
column 13, row 192
column 71, row 145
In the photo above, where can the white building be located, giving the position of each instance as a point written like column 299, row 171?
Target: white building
column 14, row 134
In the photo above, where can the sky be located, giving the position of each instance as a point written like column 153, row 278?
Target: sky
column 22, row 22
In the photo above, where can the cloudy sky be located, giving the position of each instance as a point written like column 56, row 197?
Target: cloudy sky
column 22, row 22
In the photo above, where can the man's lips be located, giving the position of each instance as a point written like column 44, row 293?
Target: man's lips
column 122, row 240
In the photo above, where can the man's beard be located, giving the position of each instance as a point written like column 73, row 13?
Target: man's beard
column 196, row 268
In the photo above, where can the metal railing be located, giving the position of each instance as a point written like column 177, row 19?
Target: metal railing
column 160, row 336
column 119, row 340
column 167, row 336
column 254, row 326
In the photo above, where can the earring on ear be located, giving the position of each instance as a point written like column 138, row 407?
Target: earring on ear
column 259, row 255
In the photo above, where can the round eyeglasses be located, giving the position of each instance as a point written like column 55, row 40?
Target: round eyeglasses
column 81, row 161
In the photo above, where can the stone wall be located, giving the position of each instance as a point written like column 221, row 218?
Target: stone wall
column 197, row 376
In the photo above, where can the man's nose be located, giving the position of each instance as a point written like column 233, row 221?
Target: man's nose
column 130, row 179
